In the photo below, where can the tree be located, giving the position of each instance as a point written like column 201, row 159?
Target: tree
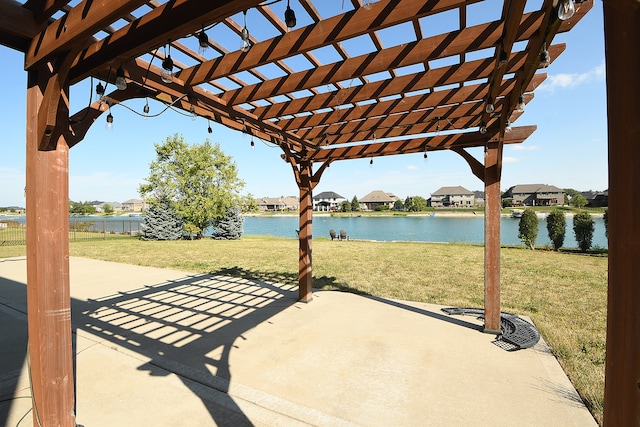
column 355, row 205
column 605, row 218
column 569, row 193
column 345, row 206
column 249, row 204
column 528, row 228
column 408, row 204
column 419, row 204
column 200, row 181
column 229, row 227
column 556, row 226
column 161, row 221
column 107, row 209
column 398, row 205
column 507, row 203
column 82, row 208
column 583, row 226
column 579, row 201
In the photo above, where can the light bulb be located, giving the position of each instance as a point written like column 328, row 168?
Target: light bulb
column 246, row 43
column 145, row 109
column 289, row 17
column 425, row 156
column 507, row 128
column 167, row 70
column 520, row 104
column 483, row 128
column 371, row 163
column 489, row 108
column 566, row 9
column 121, row 82
column 109, row 125
column 253, row 145
column 192, row 112
column 203, row 42
column 368, row 4
column 100, row 91
column 545, row 58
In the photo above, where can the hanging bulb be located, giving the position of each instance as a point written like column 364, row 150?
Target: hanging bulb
column 483, row 128
column 425, row 156
column 100, row 91
column 507, row 127
column 371, row 163
column 253, row 145
column 438, row 127
column 145, row 109
column 109, row 125
column 489, row 108
column 167, row 70
column 504, row 58
column 289, row 17
column 203, row 42
column 209, row 130
column 566, row 9
column 368, row 4
column 545, row 58
column 192, row 112
column 121, row 82
column 246, row 42
column 520, row 104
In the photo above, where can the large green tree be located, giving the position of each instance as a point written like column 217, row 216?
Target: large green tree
column 583, row 227
column 199, row 179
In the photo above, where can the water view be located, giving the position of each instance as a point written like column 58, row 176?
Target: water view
column 438, row 228
column 450, row 229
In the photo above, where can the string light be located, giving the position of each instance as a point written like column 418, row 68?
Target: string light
column 545, row 58
column 100, row 91
column 489, row 108
column 246, row 42
column 520, row 104
column 566, row 9
column 192, row 112
column 483, row 128
column 507, row 127
column 209, row 126
column 203, row 42
column 109, row 125
column 371, row 162
column 289, row 17
column 167, row 66
column 121, row 82
column 145, row 109
column 368, row 4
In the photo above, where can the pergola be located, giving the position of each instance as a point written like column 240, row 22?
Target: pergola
column 302, row 88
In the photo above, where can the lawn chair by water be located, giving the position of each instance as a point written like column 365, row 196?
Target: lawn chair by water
column 343, row 235
column 332, row 234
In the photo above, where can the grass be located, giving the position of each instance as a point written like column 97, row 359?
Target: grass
column 564, row 293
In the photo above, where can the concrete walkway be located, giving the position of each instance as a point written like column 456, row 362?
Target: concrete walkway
column 160, row 347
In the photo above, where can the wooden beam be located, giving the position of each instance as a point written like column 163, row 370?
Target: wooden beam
column 418, row 145
column 305, row 234
column 622, row 368
column 44, row 9
column 16, row 23
column 48, row 294
column 332, row 30
column 169, row 21
column 77, row 27
column 492, row 208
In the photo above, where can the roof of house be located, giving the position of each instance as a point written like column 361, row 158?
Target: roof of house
column 133, row 201
column 452, row 191
column 378, row 196
column 535, row 188
column 328, row 195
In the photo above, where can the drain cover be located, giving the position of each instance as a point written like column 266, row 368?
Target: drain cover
column 516, row 333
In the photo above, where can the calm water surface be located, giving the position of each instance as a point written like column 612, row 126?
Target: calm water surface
column 413, row 228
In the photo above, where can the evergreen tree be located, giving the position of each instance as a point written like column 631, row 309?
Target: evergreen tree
column 556, row 226
column 355, row 205
column 583, row 226
column 345, row 206
column 528, row 228
column 605, row 218
column 161, row 221
column 229, row 227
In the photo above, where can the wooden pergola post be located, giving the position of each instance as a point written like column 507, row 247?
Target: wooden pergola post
column 492, row 207
column 305, row 276
column 48, row 295
column 622, row 369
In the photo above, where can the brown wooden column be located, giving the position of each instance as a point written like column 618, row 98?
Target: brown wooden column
column 622, row 369
column 492, row 207
column 48, row 296
column 305, row 274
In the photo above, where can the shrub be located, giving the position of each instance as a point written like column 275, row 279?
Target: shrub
column 605, row 218
column 229, row 227
column 162, row 222
column 556, row 226
column 583, row 226
column 528, row 228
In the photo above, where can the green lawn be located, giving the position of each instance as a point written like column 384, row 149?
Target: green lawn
column 564, row 293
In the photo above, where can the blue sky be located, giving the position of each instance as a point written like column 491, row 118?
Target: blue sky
column 568, row 150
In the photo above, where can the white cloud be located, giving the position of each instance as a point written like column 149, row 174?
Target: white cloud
column 412, row 168
column 507, row 159
column 520, row 147
column 569, row 81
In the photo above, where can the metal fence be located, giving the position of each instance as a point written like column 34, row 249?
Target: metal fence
column 13, row 231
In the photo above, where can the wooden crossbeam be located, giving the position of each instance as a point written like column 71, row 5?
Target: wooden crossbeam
column 418, row 145
column 17, row 25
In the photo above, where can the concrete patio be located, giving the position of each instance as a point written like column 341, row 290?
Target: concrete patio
column 159, row 347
